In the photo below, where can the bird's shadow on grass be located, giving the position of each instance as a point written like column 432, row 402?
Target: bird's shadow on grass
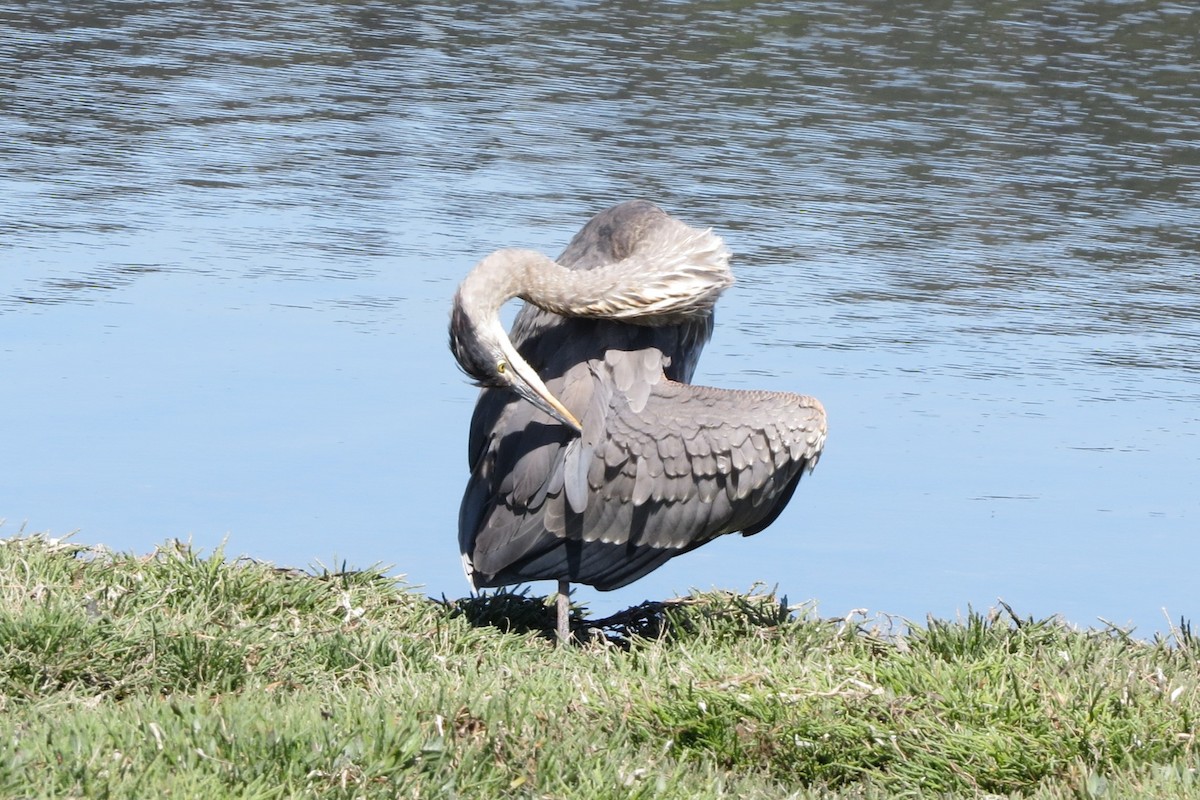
column 517, row 611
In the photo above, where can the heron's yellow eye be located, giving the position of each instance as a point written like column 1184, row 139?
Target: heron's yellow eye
column 500, row 367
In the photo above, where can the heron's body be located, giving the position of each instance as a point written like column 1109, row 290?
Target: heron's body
column 657, row 466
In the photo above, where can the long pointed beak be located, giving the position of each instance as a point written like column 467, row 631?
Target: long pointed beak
column 530, row 386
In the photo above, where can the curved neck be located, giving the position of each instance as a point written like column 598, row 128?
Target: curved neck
column 675, row 274
column 498, row 278
column 680, row 274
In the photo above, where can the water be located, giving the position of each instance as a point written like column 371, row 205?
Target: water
column 229, row 236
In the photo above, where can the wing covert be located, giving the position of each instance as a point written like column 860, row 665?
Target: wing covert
column 701, row 462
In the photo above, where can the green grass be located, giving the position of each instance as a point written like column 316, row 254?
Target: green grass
column 182, row 675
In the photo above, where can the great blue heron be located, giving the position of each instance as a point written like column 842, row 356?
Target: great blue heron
column 615, row 463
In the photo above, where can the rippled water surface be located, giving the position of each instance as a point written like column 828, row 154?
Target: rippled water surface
column 230, row 232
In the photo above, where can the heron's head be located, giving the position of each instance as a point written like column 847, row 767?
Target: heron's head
column 484, row 351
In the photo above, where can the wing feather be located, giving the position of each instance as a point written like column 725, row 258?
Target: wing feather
column 661, row 466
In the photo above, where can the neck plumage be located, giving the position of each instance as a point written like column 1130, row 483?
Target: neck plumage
column 681, row 274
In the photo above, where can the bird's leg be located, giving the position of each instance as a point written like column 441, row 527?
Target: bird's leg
column 564, row 612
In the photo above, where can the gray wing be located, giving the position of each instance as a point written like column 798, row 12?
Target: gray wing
column 661, row 468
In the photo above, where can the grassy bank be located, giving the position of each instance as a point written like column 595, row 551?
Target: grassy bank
column 183, row 675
